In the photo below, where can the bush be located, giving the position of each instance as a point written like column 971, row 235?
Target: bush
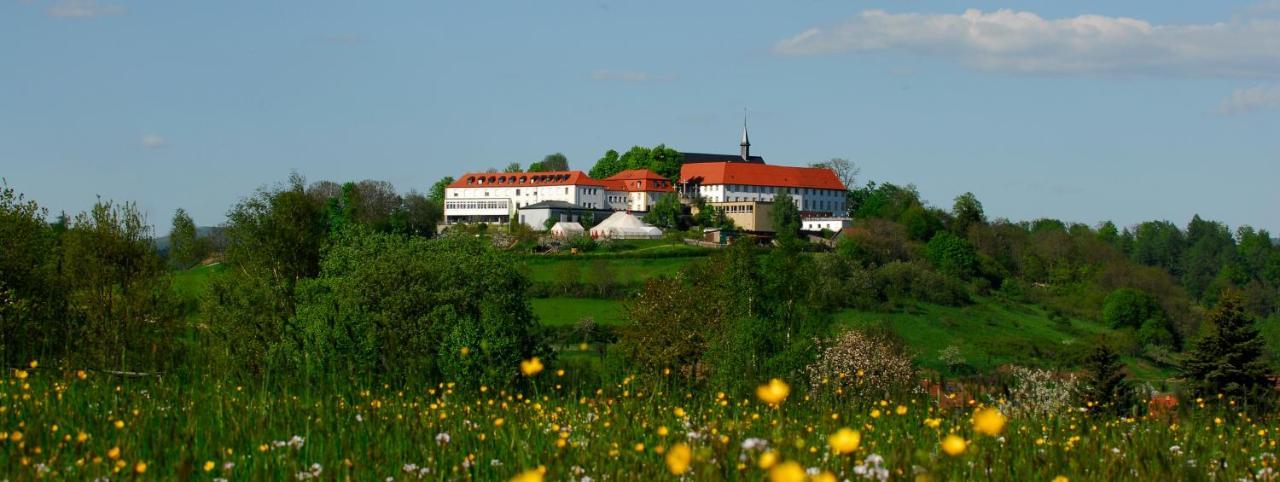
column 899, row 281
column 1127, row 307
column 856, row 363
column 1155, row 332
column 452, row 308
column 952, row 255
column 1040, row 392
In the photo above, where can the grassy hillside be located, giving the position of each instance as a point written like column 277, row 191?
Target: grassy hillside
column 624, row 270
column 991, row 333
column 567, row 311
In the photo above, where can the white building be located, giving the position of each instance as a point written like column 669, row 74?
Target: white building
column 497, row 197
column 817, row 192
column 833, row 224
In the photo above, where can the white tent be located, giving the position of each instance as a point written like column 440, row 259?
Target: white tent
column 625, row 226
column 566, row 229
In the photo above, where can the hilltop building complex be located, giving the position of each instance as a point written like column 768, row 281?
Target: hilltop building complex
column 742, row 186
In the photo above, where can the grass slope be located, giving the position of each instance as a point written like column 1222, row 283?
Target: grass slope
column 991, row 333
column 626, row 270
column 567, row 311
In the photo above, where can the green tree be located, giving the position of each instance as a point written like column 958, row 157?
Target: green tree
column 1128, row 307
column 123, row 308
column 1210, row 247
column 274, row 240
column 185, row 247
column 785, row 218
column 1159, row 244
column 552, row 162
column 436, row 194
column 1230, row 359
column 607, row 165
column 450, row 309
column 967, row 211
column 660, row 159
column 666, row 212
column 32, row 325
column 416, row 215
column 1106, row 385
column 513, row 167
column 952, row 255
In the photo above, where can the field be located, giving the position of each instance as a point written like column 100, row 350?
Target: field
column 625, row 270
column 991, row 333
column 567, row 311
column 82, row 426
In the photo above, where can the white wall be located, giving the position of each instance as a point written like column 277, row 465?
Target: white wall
column 806, row 199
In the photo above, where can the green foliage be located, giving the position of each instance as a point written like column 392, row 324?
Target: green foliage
column 1155, row 332
column 1229, row 360
column 436, row 194
column 274, row 241
column 967, row 211
column 1160, row 244
column 123, row 314
column 665, row 213
column 185, row 247
column 952, row 255
column 1128, row 307
column 1210, row 248
column 660, row 159
column 398, row 307
column 1106, row 385
column 552, row 162
column 786, row 219
column 513, row 167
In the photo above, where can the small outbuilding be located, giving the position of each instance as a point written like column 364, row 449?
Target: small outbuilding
column 622, row 225
column 567, row 229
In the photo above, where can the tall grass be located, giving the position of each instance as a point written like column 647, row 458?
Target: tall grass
column 351, row 429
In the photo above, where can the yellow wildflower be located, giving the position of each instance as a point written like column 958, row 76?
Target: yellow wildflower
column 678, row 459
column 844, row 441
column 208, row 465
column 531, row 366
column 953, row 445
column 787, row 472
column 988, row 421
column 774, row 392
column 528, row 476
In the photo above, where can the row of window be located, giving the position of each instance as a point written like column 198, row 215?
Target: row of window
column 804, row 191
column 475, row 205
column 504, row 179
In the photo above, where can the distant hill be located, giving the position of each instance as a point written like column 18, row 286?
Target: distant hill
column 162, row 243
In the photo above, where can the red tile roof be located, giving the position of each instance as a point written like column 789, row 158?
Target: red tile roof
column 760, row 175
column 525, row 179
column 633, row 180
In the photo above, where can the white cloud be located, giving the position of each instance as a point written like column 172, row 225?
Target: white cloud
column 1251, row 99
column 83, row 9
column 154, row 141
column 626, row 76
column 1019, row 41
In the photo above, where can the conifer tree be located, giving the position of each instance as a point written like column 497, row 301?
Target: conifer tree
column 1107, row 384
column 1229, row 360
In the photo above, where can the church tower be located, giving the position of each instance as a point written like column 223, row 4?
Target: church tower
column 745, row 145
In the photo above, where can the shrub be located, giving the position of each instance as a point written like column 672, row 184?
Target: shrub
column 856, row 363
column 1130, row 307
column 1041, row 392
column 952, row 255
column 452, row 308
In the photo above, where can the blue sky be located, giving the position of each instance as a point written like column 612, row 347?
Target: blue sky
column 1082, row 110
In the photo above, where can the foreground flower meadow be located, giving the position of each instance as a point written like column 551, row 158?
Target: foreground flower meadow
column 84, row 426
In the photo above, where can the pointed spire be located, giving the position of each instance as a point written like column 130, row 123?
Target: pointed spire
column 746, row 143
